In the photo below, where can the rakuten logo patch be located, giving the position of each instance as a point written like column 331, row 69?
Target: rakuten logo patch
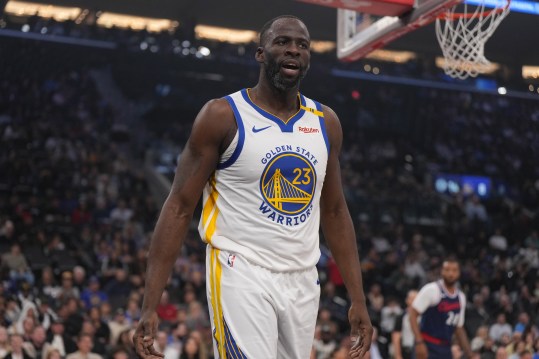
column 308, row 129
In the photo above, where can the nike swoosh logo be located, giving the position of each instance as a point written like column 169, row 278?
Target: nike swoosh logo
column 255, row 130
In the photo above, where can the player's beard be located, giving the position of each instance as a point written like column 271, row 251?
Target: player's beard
column 273, row 74
column 450, row 282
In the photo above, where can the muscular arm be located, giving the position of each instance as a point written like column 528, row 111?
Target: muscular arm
column 420, row 348
column 414, row 315
column 197, row 162
column 462, row 338
column 396, row 337
column 341, row 238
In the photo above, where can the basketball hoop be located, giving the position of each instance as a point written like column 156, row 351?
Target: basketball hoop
column 462, row 36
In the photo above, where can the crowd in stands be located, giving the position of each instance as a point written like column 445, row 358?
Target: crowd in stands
column 76, row 216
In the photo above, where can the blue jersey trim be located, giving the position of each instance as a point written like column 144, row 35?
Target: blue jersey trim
column 285, row 127
column 322, row 124
column 231, row 347
column 241, row 139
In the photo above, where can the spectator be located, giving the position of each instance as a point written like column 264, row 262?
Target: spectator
column 501, row 327
column 118, row 288
column 92, row 296
column 47, row 285
column 389, row 315
column 59, row 340
column 36, row 347
column 192, row 350
column 52, row 353
column 132, row 312
column 490, row 350
column 161, row 341
column 165, row 310
column 4, row 342
column 121, row 214
column 476, row 315
column 98, row 346
column 402, row 337
column 532, row 241
column 176, row 341
column 67, row 290
column 498, row 242
column 72, row 317
column 118, row 325
column 15, row 262
column 326, row 344
column 84, row 345
column 481, row 336
column 119, row 353
column 413, row 269
column 102, row 330
column 501, row 353
column 522, row 323
column 17, row 351
column 475, row 210
column 79, row 278
column 45, row 314
column 197, row 317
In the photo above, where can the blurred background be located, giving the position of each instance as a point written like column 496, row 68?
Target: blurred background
column 96, row 103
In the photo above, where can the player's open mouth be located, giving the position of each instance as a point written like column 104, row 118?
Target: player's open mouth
column 290, row 68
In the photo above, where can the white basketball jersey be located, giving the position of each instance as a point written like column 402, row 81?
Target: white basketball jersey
column 263, row 201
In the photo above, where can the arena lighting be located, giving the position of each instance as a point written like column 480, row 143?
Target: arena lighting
column 204, row 51
column 530, row 72
column 238, row 36
column 223, row 34
column 488, row 69
column 110, row 19
column 58, row 13
column 322, row 46
column 524, row 6
column 399, row 57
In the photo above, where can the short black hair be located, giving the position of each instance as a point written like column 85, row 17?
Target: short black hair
column 267, row 25
column 452, row 259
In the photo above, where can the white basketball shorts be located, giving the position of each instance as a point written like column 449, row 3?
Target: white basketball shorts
column 257, row 313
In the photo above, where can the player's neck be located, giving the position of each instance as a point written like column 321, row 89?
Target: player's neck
column 267, row 96
column 450, row 288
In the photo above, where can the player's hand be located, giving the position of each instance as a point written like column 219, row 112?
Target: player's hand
column 361, row 330
column 421, row 351
column 145, row 335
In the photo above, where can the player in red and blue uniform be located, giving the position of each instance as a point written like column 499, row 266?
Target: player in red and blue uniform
column 441, row 306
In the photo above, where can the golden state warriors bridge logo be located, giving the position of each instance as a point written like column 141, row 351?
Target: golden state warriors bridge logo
column 287, row 185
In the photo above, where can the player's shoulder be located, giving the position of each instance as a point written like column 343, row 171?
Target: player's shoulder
column 214, row 123
column 431, row 288
column 217, row 106
column 216, row 113
column 329, row 113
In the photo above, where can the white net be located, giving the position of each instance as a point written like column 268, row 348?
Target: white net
column 462, row 36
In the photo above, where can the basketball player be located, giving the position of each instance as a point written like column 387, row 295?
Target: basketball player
column 441, row 306
column 267, row 162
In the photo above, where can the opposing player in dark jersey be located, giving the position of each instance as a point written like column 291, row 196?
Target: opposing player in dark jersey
column 441, row 306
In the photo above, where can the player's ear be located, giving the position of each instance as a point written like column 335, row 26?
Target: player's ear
column 259, row 55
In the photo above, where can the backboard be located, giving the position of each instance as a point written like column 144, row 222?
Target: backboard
column 359, row 33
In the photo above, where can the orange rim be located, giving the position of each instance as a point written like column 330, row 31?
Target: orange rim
column 456, row 16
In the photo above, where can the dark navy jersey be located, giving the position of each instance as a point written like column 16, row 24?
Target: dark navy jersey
column 440, row 312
